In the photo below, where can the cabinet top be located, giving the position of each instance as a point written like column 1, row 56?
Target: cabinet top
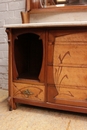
column 47, row 24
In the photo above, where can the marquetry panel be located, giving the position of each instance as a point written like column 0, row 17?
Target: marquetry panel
column 70, row 76
column 28, row 91
column 70, row 54
column 68, row 95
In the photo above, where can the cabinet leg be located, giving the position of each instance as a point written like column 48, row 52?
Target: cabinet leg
column 10, row 108
column 12, row 104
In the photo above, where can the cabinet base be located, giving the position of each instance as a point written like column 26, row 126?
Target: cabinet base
column 78, row 109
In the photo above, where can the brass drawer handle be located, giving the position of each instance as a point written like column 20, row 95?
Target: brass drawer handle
column 27, row 93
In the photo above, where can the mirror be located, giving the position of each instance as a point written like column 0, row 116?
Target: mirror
column 55, row 3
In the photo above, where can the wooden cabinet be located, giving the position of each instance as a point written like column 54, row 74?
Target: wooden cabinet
column 48, row 67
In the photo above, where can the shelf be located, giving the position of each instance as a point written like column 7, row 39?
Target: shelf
column 28, row 81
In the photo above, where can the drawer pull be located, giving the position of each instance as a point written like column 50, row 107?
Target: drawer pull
column 27, row 93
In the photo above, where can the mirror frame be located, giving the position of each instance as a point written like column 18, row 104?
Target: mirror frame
column 33, row 6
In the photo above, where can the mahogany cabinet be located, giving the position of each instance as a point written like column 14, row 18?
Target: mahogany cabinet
column 48, row 67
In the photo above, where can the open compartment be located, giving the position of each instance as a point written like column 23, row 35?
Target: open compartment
column 28, row 56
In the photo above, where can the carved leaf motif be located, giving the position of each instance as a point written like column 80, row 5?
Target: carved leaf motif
column 58, row 71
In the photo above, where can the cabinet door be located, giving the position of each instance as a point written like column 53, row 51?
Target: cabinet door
column 67, row 66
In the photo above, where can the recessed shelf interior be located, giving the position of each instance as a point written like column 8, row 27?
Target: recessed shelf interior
column 28, row 55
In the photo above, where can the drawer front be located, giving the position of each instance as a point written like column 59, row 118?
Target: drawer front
column 67, row 55
column 28, row 91
column 68, row 95
column 69, row 36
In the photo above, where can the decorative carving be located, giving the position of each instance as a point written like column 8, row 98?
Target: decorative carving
column 58, row 71
column 62, row 58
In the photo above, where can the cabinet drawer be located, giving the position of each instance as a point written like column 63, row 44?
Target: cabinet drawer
column 77, row 36
column 70, row 54
column 68, row 95
column 28, row 91
column 69, row 34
